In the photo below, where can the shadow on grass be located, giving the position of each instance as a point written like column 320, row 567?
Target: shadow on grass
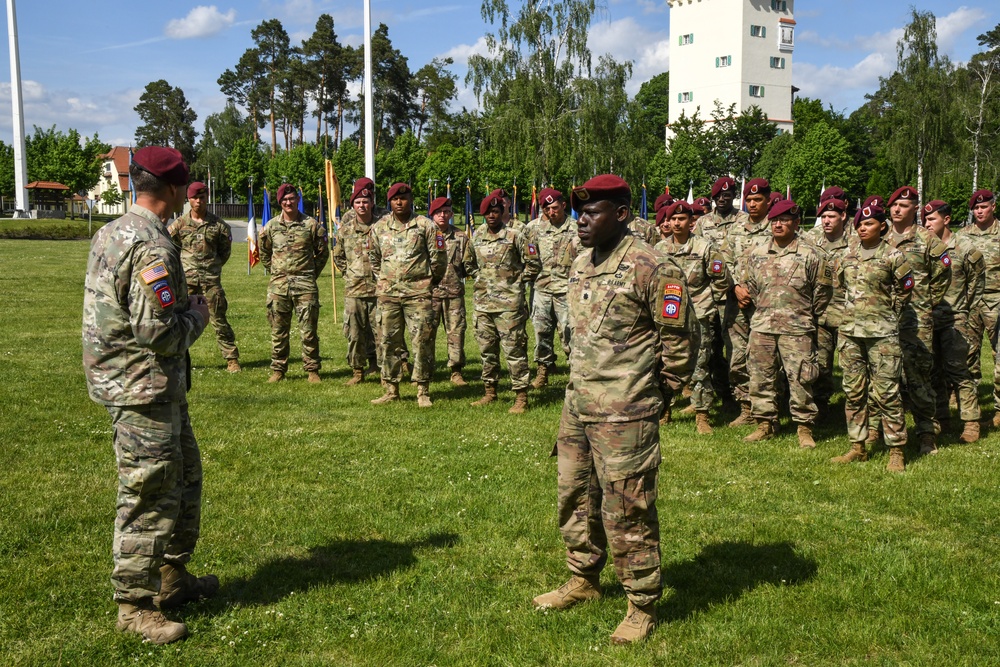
column 723, row 572
column 341, row 561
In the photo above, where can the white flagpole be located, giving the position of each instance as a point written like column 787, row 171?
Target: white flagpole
column 368, row 93
column 20, row 169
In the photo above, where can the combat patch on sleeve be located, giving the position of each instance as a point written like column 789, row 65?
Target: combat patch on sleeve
column 946, row 260
column 672, row 298
column 908, row 282
column 164, row 295
column 153, row 273
column 439, row 240
column 532, row 249
column 716, row 266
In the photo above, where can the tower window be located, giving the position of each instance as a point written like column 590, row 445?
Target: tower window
column 777, row 63
column 779, row 5
column 723, row 61
column 756, row 91
column 686, row 39
column 758, row 31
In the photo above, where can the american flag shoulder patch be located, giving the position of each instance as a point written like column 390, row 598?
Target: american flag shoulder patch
column 153, row 273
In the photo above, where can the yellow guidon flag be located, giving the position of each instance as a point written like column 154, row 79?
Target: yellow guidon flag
column 333, row 206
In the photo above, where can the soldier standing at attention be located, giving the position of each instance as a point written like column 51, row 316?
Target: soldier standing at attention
column 952, row 335
column 663, row 226
column 928, row 258
column 501, row 262
column 138, row 323
column 715, row 225
column 791, row 285
column 985, row 235
column 206, row 243
column 408, row 259
column 294, row 249
column 708, row 282
column 877, row 283
column 350, row 255
column 448, row 297
column 549, row 236
column 629, row 310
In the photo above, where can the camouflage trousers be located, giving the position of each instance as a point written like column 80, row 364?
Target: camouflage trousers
column 826, row 344
column 549, row 314
column 737, row 339
column 984, row 321
column 279, row 314
column 795, row 355
column 218, row 306
column 362, row 332
column 951, row 370
column 872, row 371
column 503, row 331
column 451, row 310
column 158, row 514
column 918, row 364
column 607, row 495
column 398, row 316
column 702, row 391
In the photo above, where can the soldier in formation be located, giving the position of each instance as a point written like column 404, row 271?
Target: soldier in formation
column 448, row 296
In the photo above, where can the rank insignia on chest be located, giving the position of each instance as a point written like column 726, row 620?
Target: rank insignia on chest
column 440, row 242
column 717, row 266
column 908, row 282
column 532, row 249
column 672, row 293
column 164, row 294
column 153, row 273
column 945, row 259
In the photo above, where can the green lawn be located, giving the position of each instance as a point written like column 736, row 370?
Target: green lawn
column 345, row 534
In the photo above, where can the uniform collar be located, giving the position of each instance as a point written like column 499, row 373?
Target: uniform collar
column 792, row 247
column 396, row 223
column 145, row 213
column 613, row 262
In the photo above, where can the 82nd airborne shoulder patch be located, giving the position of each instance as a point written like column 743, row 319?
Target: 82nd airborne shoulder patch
column 716, row 266
column 672, row 293
column 532, row 249
column 908, row 282
column 945, row 259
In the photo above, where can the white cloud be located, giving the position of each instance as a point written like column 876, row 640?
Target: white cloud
column 460, row 53
column 625, row 39
column 105, row 113
column 201, row 21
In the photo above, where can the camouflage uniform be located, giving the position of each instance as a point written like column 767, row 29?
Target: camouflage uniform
column 137, row 328
column 501, row 263
column 952, row 335
column 708, row 283
column 715, row 228
column 350, row 255
column 877, row 284
column 644, row 230
column 791, row 288
column 983, row 319
column 549, row 311
column 928, row 259
column 295, row 252
column 448, row 298
column 740, row 240
column 826, row 332
column 205, row 248
column 408, row 259
column 630, row 318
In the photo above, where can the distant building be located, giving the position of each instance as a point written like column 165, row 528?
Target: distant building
column 734, row 51
column 114, row 172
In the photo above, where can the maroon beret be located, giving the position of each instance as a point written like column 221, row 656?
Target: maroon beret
column 833, row 192
column 775, row 197
column 979, row 197
column 905, row 192
column 870, row 212
column 164, row 163
column 758, row 186
column 284, row 189
column 196, row 189
column 600, row 188
column 492, row 201
column 704, row 202
column 499, row 193
column 874, row 200
column 679, row 206
column 724, row 184
column 663, row 201
column 784, row 207
column 438, row 204
column 363, row 187
column 831, row 204
column 933, row 205
column 549, row 196
column 398, row 189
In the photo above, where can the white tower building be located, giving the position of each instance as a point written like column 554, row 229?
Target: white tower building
column 734, row 51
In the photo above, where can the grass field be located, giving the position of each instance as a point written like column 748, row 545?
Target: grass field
column 349, row 535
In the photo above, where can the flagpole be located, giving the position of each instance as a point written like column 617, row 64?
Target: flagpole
column 17, row 105
column 369, row 103
column 252, row 216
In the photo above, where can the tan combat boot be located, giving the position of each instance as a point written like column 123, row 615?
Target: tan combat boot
column 233, row 366
column 857, row 452
column 689, row 410
column 178, row 587
column 541, row 378
column 667, row 415
column 423, row 396
column 996, row 419
column 488, row 397
column 405, row 368
column 356, row 378
column 701, row 423
column 276, row 376
column 896, row 460
column 144, row 619
column 457, row 379
column 970, row 433
column 764, row 431
column 577, row 589
column 391, row 394
column 638, row 624
column 927, row 445
column 314, row 377
column 806, row 437
column 745, row 418
column 520, row 402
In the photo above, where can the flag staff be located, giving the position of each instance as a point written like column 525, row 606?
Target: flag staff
column 20, row 169
column 369, row 108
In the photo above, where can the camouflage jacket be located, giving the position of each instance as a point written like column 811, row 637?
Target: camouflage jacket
column 877, row 285
column 704, row 270
column 500, row 264
column 453, row 283
column 632, row 328
column 834, row 252
column 968, row 279
column 205, row 246
column 715, row 228
column 987, row 241
column 928, row 258
column 137, row 325
column 790, row 287
column 739, row 241
column 643, row 230
column 295, row 252
column 350, row 255
column 550, row 243
column 408, row 258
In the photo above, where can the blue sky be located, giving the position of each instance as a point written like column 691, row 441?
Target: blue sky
column 84, row 64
